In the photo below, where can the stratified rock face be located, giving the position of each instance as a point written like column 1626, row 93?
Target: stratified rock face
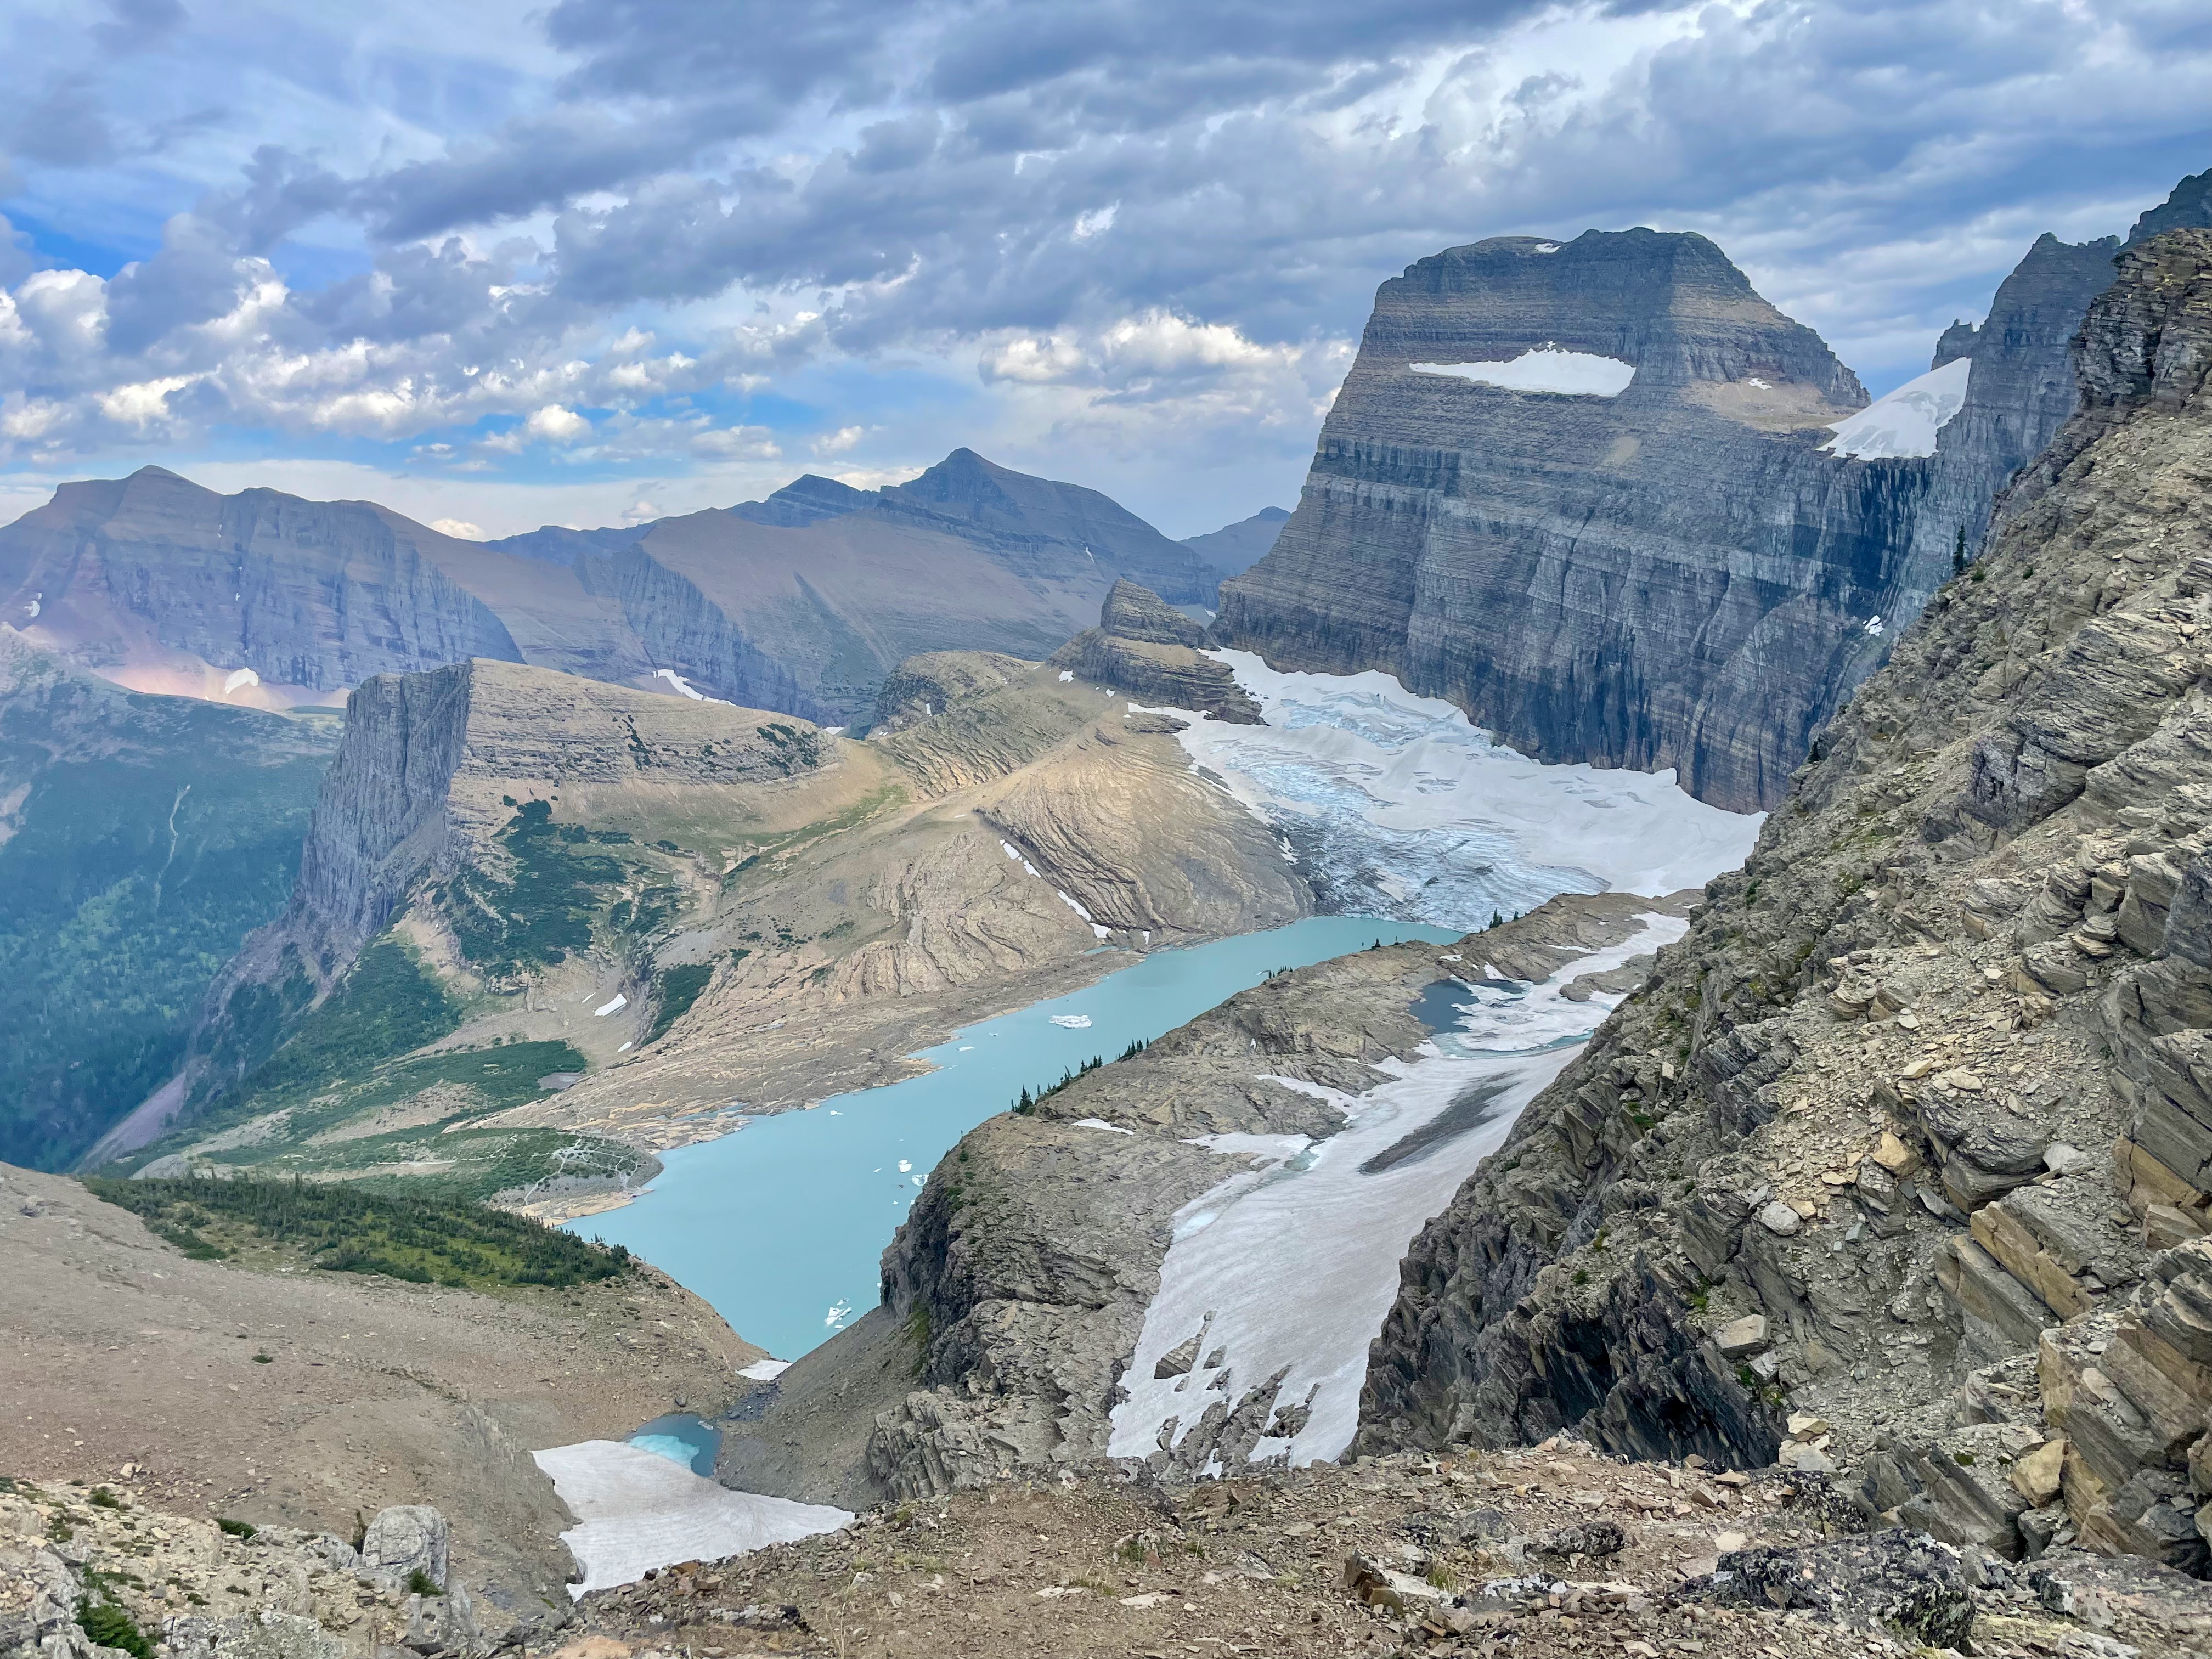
column 801, row 603
column 1905, row 1150
column 1147, row 648
column 925, row 686
column 319, row 595
column 1670, row 574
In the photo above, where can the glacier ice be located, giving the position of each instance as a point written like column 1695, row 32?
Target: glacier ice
column 1903, row 424
column 1393, row 804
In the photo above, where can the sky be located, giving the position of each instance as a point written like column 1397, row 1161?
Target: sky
column 595, row 261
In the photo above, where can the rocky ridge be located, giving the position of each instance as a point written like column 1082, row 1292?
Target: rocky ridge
column 1893, row 1167
column 1145, row 648
column 1673, row 576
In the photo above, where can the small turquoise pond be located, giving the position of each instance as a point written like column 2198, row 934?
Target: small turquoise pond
column 781, row 1225
column 680, row 1438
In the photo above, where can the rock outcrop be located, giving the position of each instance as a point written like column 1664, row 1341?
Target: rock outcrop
column 801, row 603
column 1676, row 572
column 925, row 686
column 1897, row 1166
column 1145, row 646
column 1029, row 1262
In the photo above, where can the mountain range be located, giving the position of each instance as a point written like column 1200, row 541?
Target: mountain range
column 800, row 602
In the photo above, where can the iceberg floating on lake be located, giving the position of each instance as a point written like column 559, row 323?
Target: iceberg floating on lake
column 1072, row 1022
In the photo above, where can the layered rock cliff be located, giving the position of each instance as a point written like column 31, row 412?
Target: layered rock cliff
column 1148, row 648
column 1661, row 566
column 1898, row 1163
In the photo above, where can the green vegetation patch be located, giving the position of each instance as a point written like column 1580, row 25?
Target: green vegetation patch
column 477, row 1081
column 344, row 1229
column 463, row 1165
column 679, row 988
column 542, row 908
column 111, row 1627
column 132, row 874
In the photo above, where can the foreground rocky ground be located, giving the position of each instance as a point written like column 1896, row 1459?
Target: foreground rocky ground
column 290, row 1398
column 1552, row 1550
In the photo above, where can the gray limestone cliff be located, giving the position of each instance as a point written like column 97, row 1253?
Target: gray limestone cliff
column 1145, row 646
column 1900, row 1166
column 1674, row 573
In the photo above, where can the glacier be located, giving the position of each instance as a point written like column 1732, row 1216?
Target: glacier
column 1291, row 1264
column 1902, row 425
column 1393, row 805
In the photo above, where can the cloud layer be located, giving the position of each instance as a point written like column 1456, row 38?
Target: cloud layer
column 1129, row 242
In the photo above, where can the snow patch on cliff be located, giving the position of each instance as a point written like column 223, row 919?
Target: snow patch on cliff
column 1903, row 424
column 1547, row 368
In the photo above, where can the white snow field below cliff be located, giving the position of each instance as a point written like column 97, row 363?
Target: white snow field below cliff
column 1292, row 1264
column 637, row 1510
column 1546, row 369
column 1393, row 804
column 1902, row 425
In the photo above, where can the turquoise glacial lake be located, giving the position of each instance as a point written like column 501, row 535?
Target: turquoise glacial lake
column 781, row 1225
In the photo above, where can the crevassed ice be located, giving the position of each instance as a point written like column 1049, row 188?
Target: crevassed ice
column 1903, row 424
column 1546, row 369
column 1393, row 805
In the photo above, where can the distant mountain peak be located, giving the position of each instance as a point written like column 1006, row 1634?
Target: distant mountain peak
column 2188, row 206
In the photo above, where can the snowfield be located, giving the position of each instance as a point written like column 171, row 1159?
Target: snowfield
column 1903, row 424
column 1547, row 368
column 637, row 1510
column 1292, row 1263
